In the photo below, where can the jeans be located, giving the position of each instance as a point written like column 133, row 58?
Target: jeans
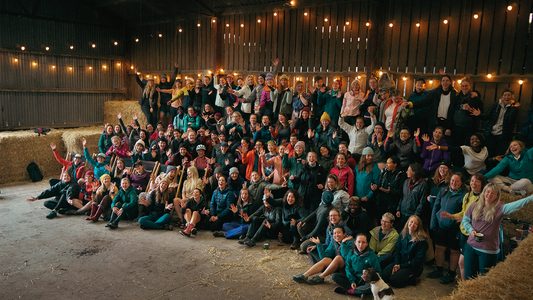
column 151, row 117
column 258, row 230
column 155, row 221
column 477, row 261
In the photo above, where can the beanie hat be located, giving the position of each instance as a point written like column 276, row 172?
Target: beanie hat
column 101, row 155
column 339, row 82
column 262, row 75
column 300, row 144
column 103, row 177
column 380, row 124
column 270, row 76
column 89, row 173
column 233, row 170
column 284, row 76
column 140, row 142
column 229, row 75
column 307, row 109
column 218, row 170
column 164, row 76
column 170, row 168
column 327, row 197
column 368, row 151
column 325, row 116
column 446, row 163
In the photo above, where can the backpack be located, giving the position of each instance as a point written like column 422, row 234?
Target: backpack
column 35, row 172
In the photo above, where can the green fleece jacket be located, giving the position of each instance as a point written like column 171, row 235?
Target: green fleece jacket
column 355, row 263
column 386, row 245
column 126, row 200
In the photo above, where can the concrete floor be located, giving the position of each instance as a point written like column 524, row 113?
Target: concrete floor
column 68, row 257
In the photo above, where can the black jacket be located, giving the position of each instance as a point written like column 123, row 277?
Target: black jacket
column 462, row 117
column 393, row 180
column 71, row 190
column 308, row 178
column 165, row 97
column 359, row 222
column 414, row 201
column 432, row 101
column 509, row 119
column 142, row 99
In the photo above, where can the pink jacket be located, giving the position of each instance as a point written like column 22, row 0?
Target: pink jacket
column 278, row 169
column 350, row 104
column 121, row 151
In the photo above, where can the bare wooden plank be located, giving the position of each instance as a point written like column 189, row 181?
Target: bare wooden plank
column 474, row 43
column 529, row 59
column 348, row 11
column 274, row 30
column 362, row 53
column 407, row 24
column 464, row 33
column 387, row 38
column 486, row 33
column 300, row 29
column 500, row 14
column 312, row 46
column 413, row 36
column 320, row 38
column 519, row 51
column 264, row 40
column 358, row 19
column 435, row 22
column 396, row 32
column 341, row 36
column 333, row 36
column 287, row 30
column 442, row 41
column 242, row 24
column 233, row 30
column 306, row 47
column 423, row 35
column 292, row 39
column 508, row 42
column 453, row 36
column 249, row 24
column 491, row 92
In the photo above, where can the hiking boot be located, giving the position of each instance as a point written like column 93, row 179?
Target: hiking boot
column 242, row 237
column 300, row 278
column 436, row 273
column 187, row 231
column 295, row 245
column 193, row 232
column 51, row 215
column 243, row 240
column 97, row 213
column 219, row 234
column 250, row 243
column 280, row 239
column 340, row 290
column 315, row 280
column 449, row 278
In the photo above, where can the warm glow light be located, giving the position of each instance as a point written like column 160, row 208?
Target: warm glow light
column 292, row 2
column 510, row 7
column 34, row 64
column 138, row 73
column 47, row 48
column 180, row 30
column 70, row 68
column 380, row 73
column 489, row 75
column 459, row 81
column 221, row 70
column 118, row 64
column 90, row 68
column 234, row 74
column 115, row 43
column 390, row 24
column 404, row 78
column 258, row 21
column 214, row 21
column 347, row 23
column 476, row 16
column 198, row 25
column 445, row 21
column 53, row 67
column 132, row 67
column 16, row 59
column 71, row 47
column 417, row 24
column 160, row 35
column 94, row 46
column 210, row 72
column 520, row 81
column 227, row 25
column 199, row 74
column 359, row 77
column 275, row 14
column 22, row 48
column 326, row 19
column 136, row 40
column 367, row 24
column 305, row 14
column 242, row 25
column 431, row 82
column 104, row 66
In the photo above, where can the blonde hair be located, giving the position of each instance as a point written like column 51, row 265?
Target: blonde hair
column 482, row 210
column 248, row 77
column 389, row 216
column 417, row 236
column 436, row 177
column 192, row 182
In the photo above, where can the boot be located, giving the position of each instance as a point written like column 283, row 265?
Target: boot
column 94, row 207
column 114, row 224
column 97, row 213
column 111, row 219
column 142, row 212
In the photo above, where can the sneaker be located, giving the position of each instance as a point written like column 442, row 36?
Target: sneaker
column 250, row 243
column 449, row 278
column 243, row 240
column 194, row 232
column 436, row 273
column 340, row 290
column 219, row 234
column 315, row 280
column 51, row 215
column 295, row 246
column 300, row 278
column 185, row 233
column 280, row 239
column 242, row 237
column 522, row 193
column 112, row 225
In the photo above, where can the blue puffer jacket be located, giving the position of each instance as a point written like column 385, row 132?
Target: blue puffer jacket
column 221, row 201
column 447, row 201
column 521, row 168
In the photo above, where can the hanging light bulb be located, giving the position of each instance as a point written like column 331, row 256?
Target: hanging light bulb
column 214, row 21
column 305, row 14
column 180, row 30
column 90, row 68
column 22, row 48
column 326, row 19
column 132, row 67
column 445, row 21
column 94, row 46
column 520, row 81
column 347, row 23
column 47, row 48
column 476, row 16
column 115, row 43
column 118, row 64
column 227, row 25
column 160, row 35
column 16, row 59
column 53, row 67
column 404, row 78
column 380, row 73
column 367, row 24
column 390, row 25
column 71, row 47
column 70, row 68
column 417, row 24
column 489, row 75
column 258, row 21
column 242, row 25
column 136, row 40
column 198, row 24
column 431, row 82
column 459, row 81
column 510, row 7
column 275, row 14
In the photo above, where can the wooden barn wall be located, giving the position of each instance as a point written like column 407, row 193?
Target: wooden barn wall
column 58, row 87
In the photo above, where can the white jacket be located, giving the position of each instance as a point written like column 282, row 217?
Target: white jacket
column 245, row 92
column 358, row 138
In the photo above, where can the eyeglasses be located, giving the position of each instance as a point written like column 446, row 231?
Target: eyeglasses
column 383, row 221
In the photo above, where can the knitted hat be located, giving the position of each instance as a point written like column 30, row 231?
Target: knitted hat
column 380, row 124
column 271, row 142
column 325, row 116
column 218, row 115
column 307, row 109
column 170, row 168
column 339, row 82
column 233, row 170
column 270, row 76
column 140, row 142
column 446, row 163
column 164, row 76
column 368, row 151
column 89, row 173
column 284, row 76
column 218, row 170
column 103, row 177
column 262, row 75
column 229, row 75
column 327, row 197
column 164, row 179
column 300, row 144
column 170, row 126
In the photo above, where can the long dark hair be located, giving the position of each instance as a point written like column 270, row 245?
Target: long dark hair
column 299, row 201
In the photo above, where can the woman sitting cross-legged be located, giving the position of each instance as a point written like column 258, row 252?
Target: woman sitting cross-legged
column 124, row 204
column 265, row 222
column 314, row 226
column 195, row 213
column 101, row 201
column 331, row 258
column 358, row 258
column 383, row 240
column 409, row 255
column 159, row 207
column 242, row 211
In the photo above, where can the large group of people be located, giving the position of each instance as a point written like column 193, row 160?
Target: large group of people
column 354, row 179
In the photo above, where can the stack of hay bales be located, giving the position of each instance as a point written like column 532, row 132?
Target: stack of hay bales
column 20, row 148
column 127, row 108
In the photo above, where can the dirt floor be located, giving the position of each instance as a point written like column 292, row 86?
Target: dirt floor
column 70, row 258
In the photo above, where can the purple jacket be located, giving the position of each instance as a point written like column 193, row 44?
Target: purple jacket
column 434, row 157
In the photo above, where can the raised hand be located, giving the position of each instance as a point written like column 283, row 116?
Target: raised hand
column 417, row 132
column 135, row 116
column 275, row 62
column 83, row 142
column 235, row 104
column 119, row 115
column 425, row 137
column 390, row 133
column 108, row 168
column 176, row 65
column 323, row 89
column 53, row 146
column 475, row 112
column 267, row 192
column 312, row 89
column 129, row 153
column 371, row 110
column 233, row 208
column 136, row 70
column 334, row 135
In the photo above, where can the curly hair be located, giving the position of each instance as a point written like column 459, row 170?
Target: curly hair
column 299, row 201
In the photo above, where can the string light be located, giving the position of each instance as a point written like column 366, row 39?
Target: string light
column 489, row 75
column 22, row 48
column 305, row 14
column 347, row 23
column 445, row 21
column 227, row 25
column 459, row 81
column 221, row 70
column 199, row 74
column 53, row 67
column 160, row 35
column 359, row 77
column 180, row 30
column 242, row 25
column 118, row 64
column 417, row 24
column 234, row 74
column 94, row 46
column 390, row 24
column 34, row 64
column 476, row 16
column 16, row 60
column 138, row 73
column 292, row 2
column 404, row 78
column 210, row 72
column 258, row 21
column 510, row 7
column 116, row 43
column 71, row 47
column 104, row 66
column 70, row 68
column 132, row 67
column 367, row 24
column 136, row 40
column 380, row 73
column 214, row 21
column 47, row 48
column 431, row 82
column 326, row 19
column 275, row 14
column 198, row 25
column 520, row 81
column 90, row 68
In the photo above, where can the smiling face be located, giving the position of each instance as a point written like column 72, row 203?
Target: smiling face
column 270, row 82
column 335, row 85
column 412, row 225
column 196, row 194
column 373, row 83
column 125, row 184
column 291, row 199
column 456, row 182
column 465, row 87
column 255, row 177
column 475, row 141
column 420, row 86
column 490, row 196
column 253, row 118
column 245, row 195
column 515, row 148
column 386, row 224
column 325, row 123
column 475, row 185
column 378, row 130
column 437, row 134
column 222, row 183
column 271, row 147
column 331, row 184
column 359, row 123
column 260, row 80
column 404, row 135
column 338, row 235
column 300, row 88
column 109, row 129
column 355, row 86
column 354, row 206
column 507, row 97
column 324, row 152
column 250, row 81
column 311, row 158
column 284, row 82
column 265, row 121
column 369, row 158
column 445, row 82
column 163, row 185
column 361, row 243
column 341, row 161
column 443, row 170
column 334, row 217
column 234, row 175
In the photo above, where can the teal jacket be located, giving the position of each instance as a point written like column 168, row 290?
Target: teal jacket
column 355, row 264
column 363, row 181
column 519, row 169
column 294, row 166
column 195, row 122
column 333, row 249
column 127, row 200
column 99, row 168
column 105, row 142
column 332, row 104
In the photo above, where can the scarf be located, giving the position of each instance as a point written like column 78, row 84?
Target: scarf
column 412, row 184
column 393, row 113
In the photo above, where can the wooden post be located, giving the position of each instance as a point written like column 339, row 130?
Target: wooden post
column 217, row 41
column 376, row 24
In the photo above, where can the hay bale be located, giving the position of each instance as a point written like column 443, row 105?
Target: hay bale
column 72, row 139
column 20, row 148
column 128, row 108
column 509, row 229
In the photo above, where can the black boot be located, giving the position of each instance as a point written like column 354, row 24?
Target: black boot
column 143, row 211
column 111, row 220
column 114, row 224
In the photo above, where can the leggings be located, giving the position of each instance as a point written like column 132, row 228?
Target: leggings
column 477, row 261
column 402, row 277
column 155, row 221
column 523, row 184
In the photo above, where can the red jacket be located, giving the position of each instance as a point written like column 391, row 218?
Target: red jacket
column 346, row 178
column 121, row 151
column 248, row 159
column 80, row 171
